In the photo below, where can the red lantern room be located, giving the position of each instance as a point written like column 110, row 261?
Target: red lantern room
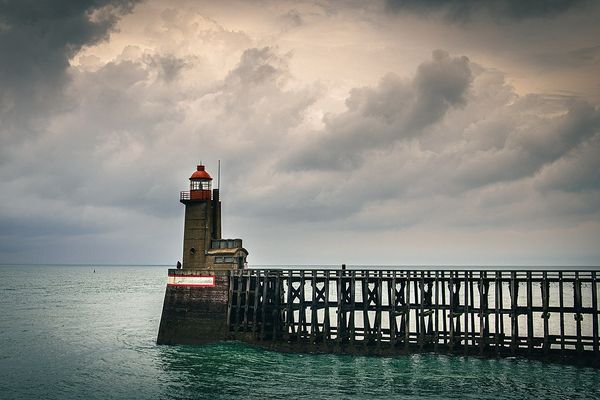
column 200, row 185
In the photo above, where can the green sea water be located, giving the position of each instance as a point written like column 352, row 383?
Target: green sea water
column 69, row 333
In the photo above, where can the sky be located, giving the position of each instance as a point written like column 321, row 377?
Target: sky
column 377, row 133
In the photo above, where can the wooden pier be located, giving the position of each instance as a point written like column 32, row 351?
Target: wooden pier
column 536, row 314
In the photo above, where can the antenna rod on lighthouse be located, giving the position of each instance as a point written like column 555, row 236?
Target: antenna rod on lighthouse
column 219, row 176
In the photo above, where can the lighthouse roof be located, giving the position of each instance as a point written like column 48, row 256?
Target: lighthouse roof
column 200, row 173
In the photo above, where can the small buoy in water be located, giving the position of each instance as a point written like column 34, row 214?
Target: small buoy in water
column 94, row 271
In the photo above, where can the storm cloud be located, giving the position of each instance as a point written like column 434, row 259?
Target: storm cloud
column 338, row 131
column 394, row 110
column 37, row 40
column 465, row 10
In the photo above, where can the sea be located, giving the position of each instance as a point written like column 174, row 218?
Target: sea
column 89, row 332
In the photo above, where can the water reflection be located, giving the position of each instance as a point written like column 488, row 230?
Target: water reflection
column 235, row 370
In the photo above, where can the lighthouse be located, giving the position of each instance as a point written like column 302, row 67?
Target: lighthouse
column 203, row 246
column 195, row 306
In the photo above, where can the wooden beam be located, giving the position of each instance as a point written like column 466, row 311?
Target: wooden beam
column 407, row 312
column 595, row 313
column 514, row 320
column 545, row 288
column 562, row 315
column 529, row 286
column 326, row 317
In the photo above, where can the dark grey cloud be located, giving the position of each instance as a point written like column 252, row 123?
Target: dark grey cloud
column 580, row 57
column 577, row 171
column 531, row 141
column 37, row 39
column 168, row 66
column 258, row 66
column 464, row 10
column 395, row 110
column 474, row 133
column 32, row 227
column 440, row 85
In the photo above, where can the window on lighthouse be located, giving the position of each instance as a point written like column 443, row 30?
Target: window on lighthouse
column 200, row 185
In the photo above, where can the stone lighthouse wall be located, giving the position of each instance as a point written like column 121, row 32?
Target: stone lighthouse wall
column 196, row 234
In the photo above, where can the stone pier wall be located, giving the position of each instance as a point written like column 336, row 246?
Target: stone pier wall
column 194, row 314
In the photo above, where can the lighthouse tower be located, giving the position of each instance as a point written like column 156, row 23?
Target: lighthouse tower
column 202, row 219
column 203, row 246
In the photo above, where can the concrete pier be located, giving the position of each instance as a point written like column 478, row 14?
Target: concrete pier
column 195, row 314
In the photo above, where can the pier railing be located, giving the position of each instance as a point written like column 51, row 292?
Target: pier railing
column 533, row 313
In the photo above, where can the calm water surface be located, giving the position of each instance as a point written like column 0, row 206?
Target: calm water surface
column 69, row 333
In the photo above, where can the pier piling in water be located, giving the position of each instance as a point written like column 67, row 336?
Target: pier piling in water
column 402, row 311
